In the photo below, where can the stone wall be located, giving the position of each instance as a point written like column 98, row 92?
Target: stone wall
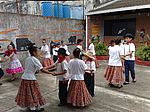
column 34, row 27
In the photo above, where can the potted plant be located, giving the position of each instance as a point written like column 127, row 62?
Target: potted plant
column 101, row 51
column 143, row 55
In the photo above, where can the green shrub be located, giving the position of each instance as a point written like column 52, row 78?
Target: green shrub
column 101, row 49
column 143, row 52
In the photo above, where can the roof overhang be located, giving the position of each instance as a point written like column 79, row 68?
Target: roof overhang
column 118, row 10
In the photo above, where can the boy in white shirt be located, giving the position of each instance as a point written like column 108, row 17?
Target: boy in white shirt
column 89, row 75
column 129, row 53
column 62, row 75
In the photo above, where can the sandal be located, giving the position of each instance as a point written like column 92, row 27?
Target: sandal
column 126, row 83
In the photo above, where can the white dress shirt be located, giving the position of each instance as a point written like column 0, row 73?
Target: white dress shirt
column 62, row 67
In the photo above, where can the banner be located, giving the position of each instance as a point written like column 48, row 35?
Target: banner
column 96, row 30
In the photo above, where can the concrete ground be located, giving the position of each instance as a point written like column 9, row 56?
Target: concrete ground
column 134, row 97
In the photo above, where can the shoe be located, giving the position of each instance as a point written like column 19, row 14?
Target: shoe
column 119, row 87
column 36, row 72
column 42, row 109
column 10, row 80
column 134, row 80
column 111, row 85
column 61, row 104
column 126, row 83
column 0, row 83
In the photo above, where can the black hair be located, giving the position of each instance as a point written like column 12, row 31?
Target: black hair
column 43, row 40
column 62, row 42
column 92, row 39
column 8, row 46
column 76, row 52
column 117, row 40
column 32, row 48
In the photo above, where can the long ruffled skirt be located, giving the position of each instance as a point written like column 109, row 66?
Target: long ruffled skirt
column 114, row 74
column 78, row 94
column 29, row 95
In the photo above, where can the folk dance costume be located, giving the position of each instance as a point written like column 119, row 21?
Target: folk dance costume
column 67, row 57
column 61, row 65
column 89, row 75
column 91, row 48
column 78, row 94
column 129, row 61
column 14, row 65
column 55, row 58
column 114, row 73
column 29, row 95
column 47, row 60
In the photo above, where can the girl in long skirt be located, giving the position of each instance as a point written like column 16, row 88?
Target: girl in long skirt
column 29, row 95
column 91, row 48
column 47, row 60
column 78, row 94
column 63, row 45
column 114, row 73
column 14, row 65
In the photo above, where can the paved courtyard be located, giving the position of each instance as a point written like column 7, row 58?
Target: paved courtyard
column 134, row 97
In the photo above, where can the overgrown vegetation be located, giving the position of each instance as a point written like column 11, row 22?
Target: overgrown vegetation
column 101, row 49
column 143, row 52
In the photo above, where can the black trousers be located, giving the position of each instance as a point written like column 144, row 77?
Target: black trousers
column 1, row 73
column 89, row 82
column 55, row 58
column 63, row 91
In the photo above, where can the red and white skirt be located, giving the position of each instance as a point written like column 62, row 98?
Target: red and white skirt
column 114, row 74
column 78, row 94
column 96, row 62
column 29, row 95
column 67, row 58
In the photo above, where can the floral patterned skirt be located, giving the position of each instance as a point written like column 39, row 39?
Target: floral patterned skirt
column 78, row 94
column 47, row 62
column 29, row 95
column 114, row 74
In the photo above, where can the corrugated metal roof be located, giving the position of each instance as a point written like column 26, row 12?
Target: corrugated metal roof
column 123, row 3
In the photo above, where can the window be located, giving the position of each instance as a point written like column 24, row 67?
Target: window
column 119, row 27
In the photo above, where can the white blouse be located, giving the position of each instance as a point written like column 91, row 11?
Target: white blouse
column 114, row 55
column 66, row 48
column 46, row 49
column 91, row 48
column 31, row 64
column 77, row 67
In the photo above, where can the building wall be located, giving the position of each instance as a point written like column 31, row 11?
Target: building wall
column 141, row 22
column 34, row 27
